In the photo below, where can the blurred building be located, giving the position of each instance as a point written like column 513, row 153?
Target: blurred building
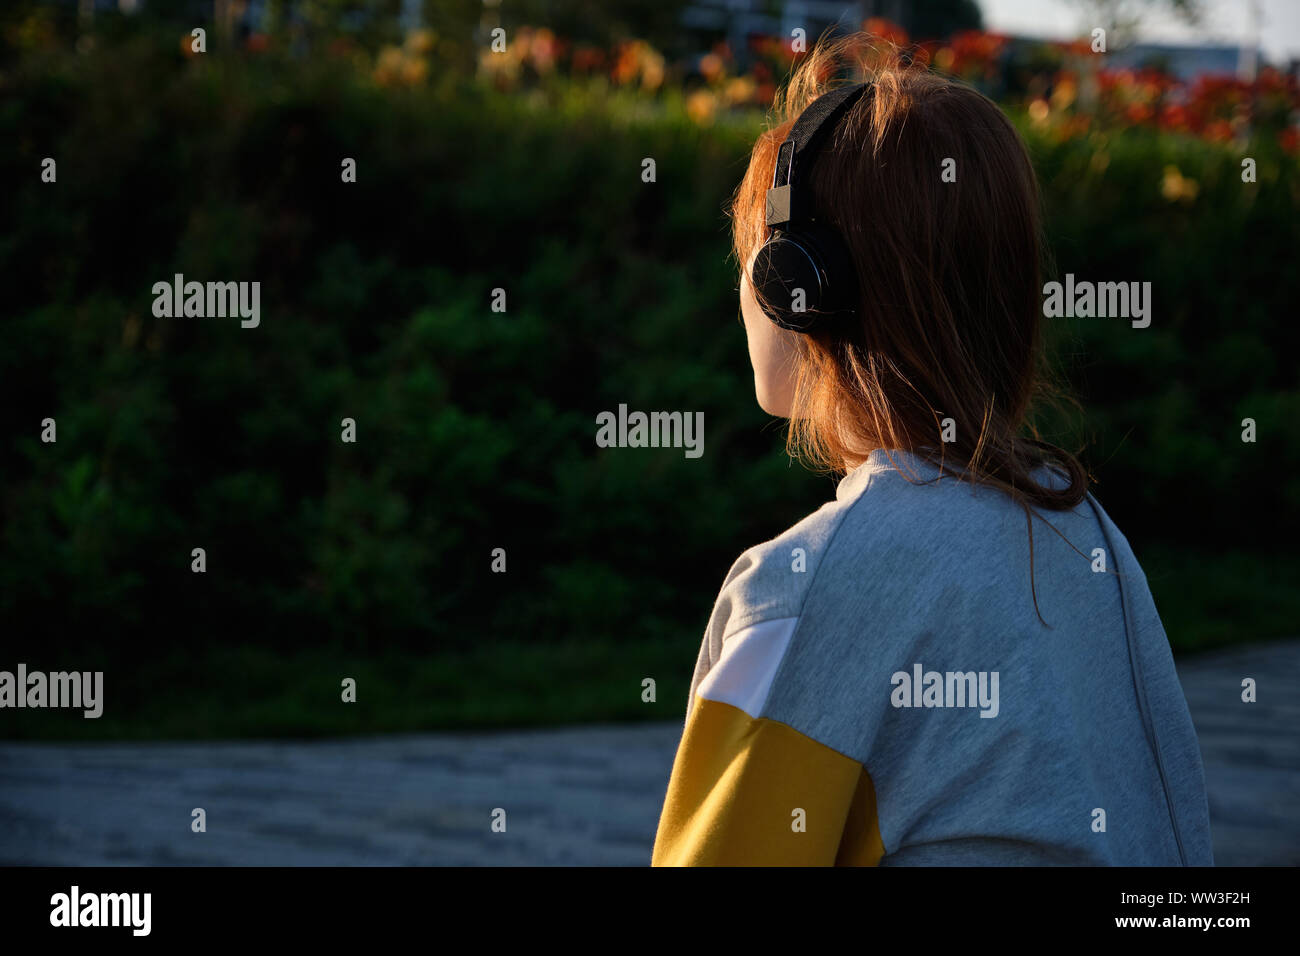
column 736, row 22
column 1184, row 62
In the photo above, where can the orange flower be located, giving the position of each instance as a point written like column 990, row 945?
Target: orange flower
column 1065, row 93
column 886, row 30
column 701, row 106
column 636, row 61
column 626, row 63
column 711, row 67
column 739, row 90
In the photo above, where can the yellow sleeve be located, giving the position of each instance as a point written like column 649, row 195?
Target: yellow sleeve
column 749, row 791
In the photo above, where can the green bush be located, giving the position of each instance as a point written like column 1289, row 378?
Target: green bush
column 476, row 429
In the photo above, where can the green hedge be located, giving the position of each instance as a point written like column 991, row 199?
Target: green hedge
column 476, row 429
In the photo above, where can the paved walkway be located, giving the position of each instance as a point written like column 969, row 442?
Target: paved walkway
column 583, row 795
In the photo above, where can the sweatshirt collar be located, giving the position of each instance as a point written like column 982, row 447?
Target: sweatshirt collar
column 880, row 460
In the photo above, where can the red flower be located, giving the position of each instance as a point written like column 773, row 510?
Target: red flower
column 1138, row 113
column 1219, row 131
column 1174, row 118
column 587, row 59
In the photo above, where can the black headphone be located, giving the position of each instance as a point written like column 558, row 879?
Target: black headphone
column 803, row 273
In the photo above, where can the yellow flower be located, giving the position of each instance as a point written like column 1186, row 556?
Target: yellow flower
column 700, row 106
column 419, row 42
column 414, row 70
column 1176, row 187
column 740, row 90
column 396, row 67
column 652, row 71
column 389, row 66
column 1064, row 94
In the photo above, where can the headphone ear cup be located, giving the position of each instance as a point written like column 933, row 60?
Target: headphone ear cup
column 839, row 289
column 787, row 282
column 804, row 276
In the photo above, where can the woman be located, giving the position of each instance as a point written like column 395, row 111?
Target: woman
column 957, row 661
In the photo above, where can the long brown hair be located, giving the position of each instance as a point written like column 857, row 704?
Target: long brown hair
column 950, row 306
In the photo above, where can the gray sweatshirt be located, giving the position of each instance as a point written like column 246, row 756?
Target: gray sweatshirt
column 875, row 686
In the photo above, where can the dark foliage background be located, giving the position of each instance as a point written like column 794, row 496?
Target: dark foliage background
column 476, row 429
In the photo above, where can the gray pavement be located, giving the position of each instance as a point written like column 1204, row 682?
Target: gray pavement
column 580, row 795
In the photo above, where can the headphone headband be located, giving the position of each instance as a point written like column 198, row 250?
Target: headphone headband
column 804, row 273
column 784, row 205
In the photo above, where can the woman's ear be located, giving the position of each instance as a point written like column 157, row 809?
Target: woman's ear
column 773, row 353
